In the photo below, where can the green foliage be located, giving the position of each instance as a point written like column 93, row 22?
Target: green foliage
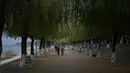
column 38, row 18
column 52, row 19
column 102, row 16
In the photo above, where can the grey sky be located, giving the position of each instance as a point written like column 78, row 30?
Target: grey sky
column 10, row 41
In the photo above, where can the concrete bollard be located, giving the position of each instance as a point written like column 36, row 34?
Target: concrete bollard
column 108, row 45
column 32, row 57
column 99, row 52
column 113, row 57
column 121, row 40
column 90, row 52
column 22, row 60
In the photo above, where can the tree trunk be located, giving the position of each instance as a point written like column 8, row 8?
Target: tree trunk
column 44, row 42
column 23, row 50
column 24, row 45
column 85, row 45
column 40, row 47
column 0, row 44
column 94, row 44
column 36, row 48
column 41, row 44
column 2, row 22
column 114, row 42
column 99, row 51
column 90, row 50
column 32, row 46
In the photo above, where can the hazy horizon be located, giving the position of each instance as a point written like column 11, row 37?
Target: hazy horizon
column 10, row 41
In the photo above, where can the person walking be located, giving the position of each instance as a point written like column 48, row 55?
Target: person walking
column 57, row 49
column 62, row 51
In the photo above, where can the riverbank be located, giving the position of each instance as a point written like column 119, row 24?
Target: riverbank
column 5, row 59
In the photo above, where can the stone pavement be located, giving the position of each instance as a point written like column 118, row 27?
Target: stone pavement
column 71, row 62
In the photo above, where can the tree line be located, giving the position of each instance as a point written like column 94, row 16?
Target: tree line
column 64, row 20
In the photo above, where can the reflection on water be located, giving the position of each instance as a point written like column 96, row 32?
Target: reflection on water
column 12, row 48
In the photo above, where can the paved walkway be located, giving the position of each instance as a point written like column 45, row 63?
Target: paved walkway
column 71, row 62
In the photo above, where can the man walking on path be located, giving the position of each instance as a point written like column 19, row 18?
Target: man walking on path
column 57, row 49
column 62, row 50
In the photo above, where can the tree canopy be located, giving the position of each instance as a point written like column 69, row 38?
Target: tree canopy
column 76, row 19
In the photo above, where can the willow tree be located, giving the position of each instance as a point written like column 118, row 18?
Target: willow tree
column 2, row 22
column 114, row 15
column 106, row 15
column 45, row 20
column 63, row 33
column 64, row 8
column 4, row 18
column 34, row 18
column 19, row 25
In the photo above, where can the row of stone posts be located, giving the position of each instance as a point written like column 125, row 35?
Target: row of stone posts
column 86, row 46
